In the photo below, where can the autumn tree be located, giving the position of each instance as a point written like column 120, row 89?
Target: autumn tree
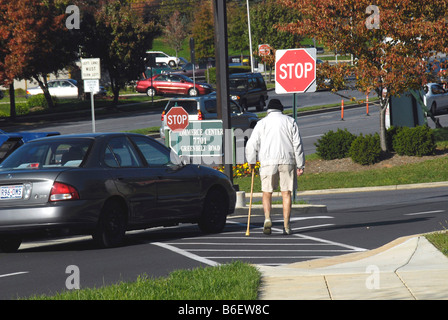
column 113, row 32
column 175, row 31
column 237, row 29
column 34, row 41
column 390, row 40
column 203, row 31
column 265, row 16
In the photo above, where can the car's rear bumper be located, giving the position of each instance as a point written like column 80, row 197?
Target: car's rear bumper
column 67, row 217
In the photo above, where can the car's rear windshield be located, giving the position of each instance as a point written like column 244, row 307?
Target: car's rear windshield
column 191, row 106
column 47, row 154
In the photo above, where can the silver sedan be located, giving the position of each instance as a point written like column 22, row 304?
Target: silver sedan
column 436, row 97
column 105, row 184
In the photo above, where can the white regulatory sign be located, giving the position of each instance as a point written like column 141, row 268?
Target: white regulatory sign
column 90, row 69
column 91, row 86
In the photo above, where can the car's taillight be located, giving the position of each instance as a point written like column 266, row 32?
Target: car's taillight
column 163, row 114
column 61, row 191
column 200, row 116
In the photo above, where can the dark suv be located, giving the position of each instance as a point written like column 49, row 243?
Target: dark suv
column 249, row 89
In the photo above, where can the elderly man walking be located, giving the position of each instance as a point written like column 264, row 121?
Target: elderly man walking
column 277, row 143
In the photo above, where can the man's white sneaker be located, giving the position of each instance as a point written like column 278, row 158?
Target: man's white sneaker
column 267, row 226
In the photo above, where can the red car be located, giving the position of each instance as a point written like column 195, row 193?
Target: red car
column 172, row 84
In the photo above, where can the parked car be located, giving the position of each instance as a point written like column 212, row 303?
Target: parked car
column 161, row 57
column 159, row 68
column 104, row 184
column 10, row 141
column 172, row 84
column 249, row 89
column 62, row 88
column 204, row 108
column 200, row 70
column 435, row 98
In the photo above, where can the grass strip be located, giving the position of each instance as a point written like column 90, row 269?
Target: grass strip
column 439, row 240
column 234, row 281
column 423, row 172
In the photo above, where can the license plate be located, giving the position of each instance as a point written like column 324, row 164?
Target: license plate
column 11, row 192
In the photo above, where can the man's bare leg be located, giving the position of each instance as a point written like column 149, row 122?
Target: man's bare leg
column 267, row 205
column 286, row 197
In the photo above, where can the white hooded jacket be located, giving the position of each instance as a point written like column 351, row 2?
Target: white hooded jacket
column 276, row 140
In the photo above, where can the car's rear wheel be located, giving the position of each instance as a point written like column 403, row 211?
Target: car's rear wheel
column 214, row 212
column 151, row 92
column 112, row 224
column 10, row 244
column 261, row 104
column 434, row 108
column 193, row 92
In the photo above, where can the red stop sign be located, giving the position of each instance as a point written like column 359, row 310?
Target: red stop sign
column 295, row 70
column 177, row 119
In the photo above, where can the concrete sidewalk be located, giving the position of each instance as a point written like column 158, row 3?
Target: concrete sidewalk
column 409, row 268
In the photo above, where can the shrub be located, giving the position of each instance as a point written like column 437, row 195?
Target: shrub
column 418, row 141
column 334, row 145
column 390, row 135
column 38, row 101
column 22, row 109
column 366, row 149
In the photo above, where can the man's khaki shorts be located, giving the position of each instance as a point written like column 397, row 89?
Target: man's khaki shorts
column 271, row 175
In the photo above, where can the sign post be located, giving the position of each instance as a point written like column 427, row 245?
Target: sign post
column 295, row 72
column 91, row 73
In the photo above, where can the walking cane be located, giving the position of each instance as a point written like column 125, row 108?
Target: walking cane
column 250, row 201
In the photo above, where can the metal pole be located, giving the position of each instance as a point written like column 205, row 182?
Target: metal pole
column 250, row 38
column 93, row 110
column 222, row 81
column 294, row 110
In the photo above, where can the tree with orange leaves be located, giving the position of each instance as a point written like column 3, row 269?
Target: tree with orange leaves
column 34, row 41
column 391, row 41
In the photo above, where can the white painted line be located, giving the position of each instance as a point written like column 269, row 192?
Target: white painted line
column 312, row 227
column 314, row 136
column 264, row 250
column 425, row 212
column 186, row 254
column 280, row 257
column 330, row 242
column 245, row 244
column 13, row 274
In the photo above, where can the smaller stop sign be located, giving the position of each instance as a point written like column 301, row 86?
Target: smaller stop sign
column 177, row 119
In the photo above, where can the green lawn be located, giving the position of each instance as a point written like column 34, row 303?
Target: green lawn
column 234, row 281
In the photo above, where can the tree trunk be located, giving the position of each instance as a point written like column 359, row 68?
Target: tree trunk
column 383, row 139
column 44, row 86
column 116, row 92
column 12, row 102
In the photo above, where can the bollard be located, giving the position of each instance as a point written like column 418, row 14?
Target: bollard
column 342, row 109
column 240, row 199
column 367, row 105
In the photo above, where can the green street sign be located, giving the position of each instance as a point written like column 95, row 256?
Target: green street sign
column 198, row 139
